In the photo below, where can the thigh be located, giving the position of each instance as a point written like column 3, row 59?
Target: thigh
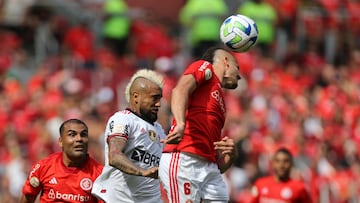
column 177, row 173
column 213, row 188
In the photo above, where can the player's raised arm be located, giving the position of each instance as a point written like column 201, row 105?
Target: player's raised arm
column 185, row 86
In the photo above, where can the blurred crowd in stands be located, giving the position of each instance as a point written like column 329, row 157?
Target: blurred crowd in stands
column 300, row 85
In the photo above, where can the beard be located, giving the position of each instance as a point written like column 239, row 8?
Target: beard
column 149, row 116
column 229, row 83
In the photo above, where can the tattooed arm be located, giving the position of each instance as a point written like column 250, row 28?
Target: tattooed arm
column 119, row 160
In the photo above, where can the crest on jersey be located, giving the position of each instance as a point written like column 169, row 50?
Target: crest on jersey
column 34, row 181
column 286, row 193
column 152, row 135
column 208, row 74
column 86, row 184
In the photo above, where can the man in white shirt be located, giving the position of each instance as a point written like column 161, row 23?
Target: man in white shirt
column 132, row 145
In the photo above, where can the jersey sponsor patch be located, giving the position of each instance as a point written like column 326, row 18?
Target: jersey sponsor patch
column 119, row 129
column 145, row 157
column 34, row 181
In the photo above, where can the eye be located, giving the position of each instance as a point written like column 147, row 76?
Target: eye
column 84, row 134
column 71, row 133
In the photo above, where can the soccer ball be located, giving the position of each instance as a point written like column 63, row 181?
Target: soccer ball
column 239, row 33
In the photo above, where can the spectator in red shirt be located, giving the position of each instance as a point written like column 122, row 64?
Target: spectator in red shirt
column 72, row 168
column 79, row 42
column 280, row 187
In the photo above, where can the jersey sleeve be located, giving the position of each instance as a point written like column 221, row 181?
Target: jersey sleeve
column 119, row 125
column 254, row 194
column 201, row 70
column 33, row 185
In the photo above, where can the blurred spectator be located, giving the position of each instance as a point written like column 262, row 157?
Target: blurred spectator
column 150, row 39
column 280, row 186
column 116, row 25
column 79, row 43
column 14, row 13
column 202, row 19
column 265, row 16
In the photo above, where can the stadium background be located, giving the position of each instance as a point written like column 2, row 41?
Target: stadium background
column 305, row 98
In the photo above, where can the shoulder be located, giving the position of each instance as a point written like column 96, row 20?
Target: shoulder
column 300, row 185
column 199, row 65
column 95, row 164
column 46, row 165
column 120, row 121
column 49, row 160
column 120, row 114
column 265, row 179
column 201, row 70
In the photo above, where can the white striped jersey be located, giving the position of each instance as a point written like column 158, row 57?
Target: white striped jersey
column 143, row 148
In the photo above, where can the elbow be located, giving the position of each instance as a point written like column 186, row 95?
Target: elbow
column 112, row 160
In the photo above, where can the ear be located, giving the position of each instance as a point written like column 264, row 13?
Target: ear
column 135, row 96
column 60, row 141
column 226, row 61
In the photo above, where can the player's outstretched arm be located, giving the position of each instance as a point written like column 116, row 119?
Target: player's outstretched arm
column 119, row 160
column 226, row 153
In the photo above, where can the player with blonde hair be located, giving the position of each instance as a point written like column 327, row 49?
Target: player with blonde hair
column 132, row 145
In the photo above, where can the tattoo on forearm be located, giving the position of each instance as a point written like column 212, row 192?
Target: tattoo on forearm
column 120, row 161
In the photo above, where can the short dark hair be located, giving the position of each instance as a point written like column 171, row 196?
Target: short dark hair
column 72, row 120
column 210, row 53
column 285, row 151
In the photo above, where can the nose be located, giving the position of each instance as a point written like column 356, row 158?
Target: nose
column 78, row 138
column 158, row 103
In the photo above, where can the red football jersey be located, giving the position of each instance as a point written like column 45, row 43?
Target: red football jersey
column 205, row 115
column 59, row 183
column 268, row 189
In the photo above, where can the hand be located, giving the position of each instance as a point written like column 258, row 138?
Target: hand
column 226, row 146
column 151, row 172
column 175, row 136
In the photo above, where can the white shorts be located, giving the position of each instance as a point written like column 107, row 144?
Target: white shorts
column 186, row 178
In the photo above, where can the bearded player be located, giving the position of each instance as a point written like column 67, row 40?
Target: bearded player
column 280, row 187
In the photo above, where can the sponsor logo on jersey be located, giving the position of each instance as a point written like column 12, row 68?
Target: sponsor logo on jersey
column 217, row 96
column 36, row 167
column 53, row 181
column 145, row 157
column 152, row 135
column 86, row 184
column 204, row 66
column 56, row 195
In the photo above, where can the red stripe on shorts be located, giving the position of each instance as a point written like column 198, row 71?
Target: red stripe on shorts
column 174, row 188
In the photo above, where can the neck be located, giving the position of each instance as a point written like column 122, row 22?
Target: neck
column 74, row 162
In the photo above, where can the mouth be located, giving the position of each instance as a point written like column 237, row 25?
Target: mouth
column 155, row 110
column 79, row 148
